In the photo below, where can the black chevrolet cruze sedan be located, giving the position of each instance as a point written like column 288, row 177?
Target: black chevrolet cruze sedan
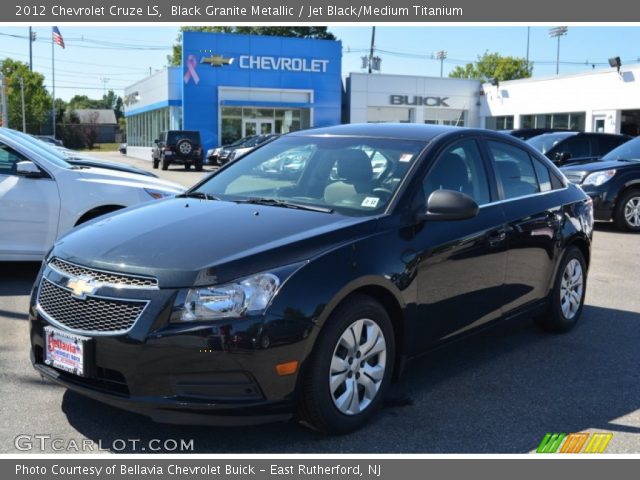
column 613, row 183
column 254, row 297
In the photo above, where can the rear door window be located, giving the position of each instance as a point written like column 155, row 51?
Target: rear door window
column 578, row 147
column 515, row 170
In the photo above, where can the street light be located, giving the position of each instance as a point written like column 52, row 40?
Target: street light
column 441, row 55
column 557, row 32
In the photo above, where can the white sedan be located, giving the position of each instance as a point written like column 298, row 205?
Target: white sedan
column 42, row 196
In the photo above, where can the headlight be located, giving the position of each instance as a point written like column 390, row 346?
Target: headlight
column 598, row 178
column 246, row 296
column 209, row 152
column 157, row 194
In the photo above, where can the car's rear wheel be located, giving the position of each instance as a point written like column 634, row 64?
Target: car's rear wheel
column 567, row 298
column 627, row 216
column 165, row 164
column 187, row 166
column 198, row 165
column 156, row 163
column 350, row 368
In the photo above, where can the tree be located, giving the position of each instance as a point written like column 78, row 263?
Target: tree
column 109, row 101
column 493, row 65
column 175, row 59
column 36, row 98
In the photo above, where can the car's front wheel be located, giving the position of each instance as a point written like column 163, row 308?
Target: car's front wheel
column 627, row 216
column 350, row 368
column 567, row 297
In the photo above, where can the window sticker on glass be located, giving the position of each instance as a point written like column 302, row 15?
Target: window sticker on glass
column 406, row 157
column 370, row 202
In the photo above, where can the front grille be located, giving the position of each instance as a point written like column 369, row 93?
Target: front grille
column 99, row 276
column 89, row 315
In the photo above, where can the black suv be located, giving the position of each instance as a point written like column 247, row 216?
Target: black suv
column 613, row 184
column 178, row 146
column 527, row 133
column 563, row 148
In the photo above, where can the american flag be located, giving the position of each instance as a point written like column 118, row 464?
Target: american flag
column 57, row 37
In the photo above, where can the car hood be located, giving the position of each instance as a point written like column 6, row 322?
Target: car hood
column 594, row 166
column 94, row 162
column 127, row 179
column 185, row 241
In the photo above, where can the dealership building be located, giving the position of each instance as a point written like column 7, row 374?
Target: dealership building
column 231, row 86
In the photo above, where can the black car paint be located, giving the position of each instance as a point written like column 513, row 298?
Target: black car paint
column 558, row 153
column 605, row 197
column 439, row 280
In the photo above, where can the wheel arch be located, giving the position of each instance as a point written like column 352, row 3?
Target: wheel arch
column 96, row 212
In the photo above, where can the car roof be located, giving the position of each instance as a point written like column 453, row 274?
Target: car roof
column 406, row 131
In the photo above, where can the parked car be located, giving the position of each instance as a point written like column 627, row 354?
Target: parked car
column 563, row 148
column 613, row 183
column 242, row 150
column 527, row 133
column 225, row 154
column 43, row 196
column 76, row 158
column 180, row 147
column 213, row 153
column 123, row 148
column 318, row 289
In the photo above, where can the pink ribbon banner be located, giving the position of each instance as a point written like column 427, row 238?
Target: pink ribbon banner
column 192, row 63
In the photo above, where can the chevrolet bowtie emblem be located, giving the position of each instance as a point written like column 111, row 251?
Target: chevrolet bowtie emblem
column 216, row 60
column 82, row 286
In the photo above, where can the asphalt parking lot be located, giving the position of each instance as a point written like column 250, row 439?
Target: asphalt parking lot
column 500, row 391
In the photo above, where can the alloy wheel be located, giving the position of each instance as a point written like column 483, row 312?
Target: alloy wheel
column 357, row 367
column 632, row 212
column 571, row 289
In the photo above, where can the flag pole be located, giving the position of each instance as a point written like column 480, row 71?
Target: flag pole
column 53, row 82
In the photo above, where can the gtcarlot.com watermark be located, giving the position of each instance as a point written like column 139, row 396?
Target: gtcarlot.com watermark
column 48, row 443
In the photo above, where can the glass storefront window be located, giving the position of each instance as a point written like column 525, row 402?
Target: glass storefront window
column 237, row 122
column 441, row 116
column 504, row 122
column 389, row 114
column 569, row 121
column 144, row 128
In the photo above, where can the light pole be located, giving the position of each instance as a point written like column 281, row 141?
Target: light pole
column 441, row 55
column 558, row 32
column 24, row 120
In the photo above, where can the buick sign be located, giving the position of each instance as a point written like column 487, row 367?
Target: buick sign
column 418, row 100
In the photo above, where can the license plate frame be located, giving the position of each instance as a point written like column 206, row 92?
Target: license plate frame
column 67, row 351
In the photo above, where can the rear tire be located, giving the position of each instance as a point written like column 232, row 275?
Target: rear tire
column 627, row 214
column 187, row 166
column 350, row 369
column 198, row 166
column 567, row 297
column 165, row 164
column 156, row 163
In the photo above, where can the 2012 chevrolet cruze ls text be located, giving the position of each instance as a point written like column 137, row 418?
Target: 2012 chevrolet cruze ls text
column 257, row 295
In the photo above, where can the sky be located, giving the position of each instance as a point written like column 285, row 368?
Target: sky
column 101, row 58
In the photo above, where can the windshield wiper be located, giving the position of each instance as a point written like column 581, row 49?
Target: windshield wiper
column 200, row 195
column 281, row 203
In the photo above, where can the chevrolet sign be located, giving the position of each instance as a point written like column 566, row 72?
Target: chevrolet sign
column 418, row 100
column 312, row 65
column 216, row 60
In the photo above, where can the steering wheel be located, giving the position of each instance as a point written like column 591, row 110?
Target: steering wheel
column 383, row 191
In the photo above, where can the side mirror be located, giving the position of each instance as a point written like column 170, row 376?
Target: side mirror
column 156, row 141
column 28, row 169
column 449, row 205
column 562, row 157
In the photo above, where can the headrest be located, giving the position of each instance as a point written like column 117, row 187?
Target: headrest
column 354, row 166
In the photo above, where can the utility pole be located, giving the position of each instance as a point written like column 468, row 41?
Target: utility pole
column 32, row 37
column 3, row 101
column 558, row 32
column 24, row 119
column 441, row 55
column 104, row 81
column 373, row 40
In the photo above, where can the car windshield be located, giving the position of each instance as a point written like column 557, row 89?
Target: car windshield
column 175, row 137
column 627, row 151
column 547, row 141
column 47, row 150
column 353, row 176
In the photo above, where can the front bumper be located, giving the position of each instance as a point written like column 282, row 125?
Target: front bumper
column 603, row 202
column 217, row 373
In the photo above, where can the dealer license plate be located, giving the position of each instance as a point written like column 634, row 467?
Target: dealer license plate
column 65, row 351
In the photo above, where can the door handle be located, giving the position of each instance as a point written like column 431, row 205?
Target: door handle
column 496, row 238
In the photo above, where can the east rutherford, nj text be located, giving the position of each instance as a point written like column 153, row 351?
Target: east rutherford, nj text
column 187, row 470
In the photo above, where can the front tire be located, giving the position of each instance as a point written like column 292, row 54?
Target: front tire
column 567, row 298
column 350, row 368
column 627, row 216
